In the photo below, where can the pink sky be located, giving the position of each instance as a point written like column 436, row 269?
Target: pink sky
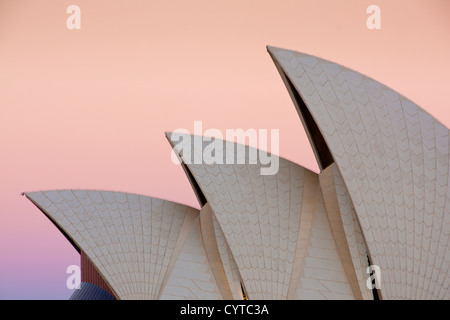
column 88, row 108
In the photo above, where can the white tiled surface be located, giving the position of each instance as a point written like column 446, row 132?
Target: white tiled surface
column 345, row 226
column 191, row 277
column 394, row 160
column 129, row 238
column 260, row 217
column 229, row 265
column 323, row 274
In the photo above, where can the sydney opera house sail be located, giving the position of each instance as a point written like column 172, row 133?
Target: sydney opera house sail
column 143, row 247
column 394, row 160
column 373, row 223
column 276, row 227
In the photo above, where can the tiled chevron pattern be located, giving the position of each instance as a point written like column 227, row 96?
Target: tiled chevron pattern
column 345, row 225
column 131, row 239
column 268, row 222
column 323, row 276
column 191, row 277
column 394, row 161
column 229, row 265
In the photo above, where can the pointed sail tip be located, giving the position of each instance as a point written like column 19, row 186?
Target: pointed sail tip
column 271, row 49
column 168, row 134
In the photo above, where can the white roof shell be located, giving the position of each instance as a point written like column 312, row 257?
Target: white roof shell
column 394, row 160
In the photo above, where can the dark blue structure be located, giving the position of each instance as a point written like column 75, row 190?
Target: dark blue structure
column 89, row 291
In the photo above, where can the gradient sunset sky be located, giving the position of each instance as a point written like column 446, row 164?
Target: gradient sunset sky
column 88, row 108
